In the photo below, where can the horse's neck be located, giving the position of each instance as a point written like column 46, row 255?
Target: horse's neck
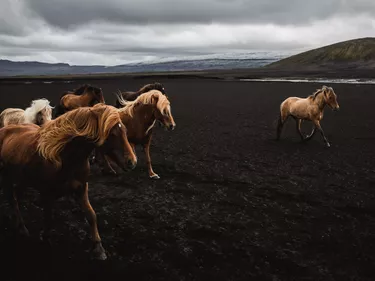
column 86, row 99
column 143, row 116
column 320, row 101
column 29, row 115
column 76, row 151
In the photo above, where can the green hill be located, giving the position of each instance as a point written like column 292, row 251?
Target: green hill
column 352, row 53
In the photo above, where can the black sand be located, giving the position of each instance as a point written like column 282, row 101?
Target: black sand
column 231, row 204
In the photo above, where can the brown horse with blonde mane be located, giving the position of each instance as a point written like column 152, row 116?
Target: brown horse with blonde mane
column 139, row 117
column 54, row 159
column 131, row 96
column 85, row 95
column 310, row 108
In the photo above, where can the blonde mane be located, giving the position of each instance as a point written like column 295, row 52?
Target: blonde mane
column 36, row 106
column 315, row 94
column 146, row 98
column 318, row 91
column 93, row 123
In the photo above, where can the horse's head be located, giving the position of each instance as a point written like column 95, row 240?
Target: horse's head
column 116, row 145
column 330, row 97
column 96, row 93
column 44, row 116
column 158, row 86
column 39, row 112
column 162, row 110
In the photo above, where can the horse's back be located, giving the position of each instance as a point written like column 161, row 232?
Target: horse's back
column 295, row 106
column 17, row 142
column 11, row 116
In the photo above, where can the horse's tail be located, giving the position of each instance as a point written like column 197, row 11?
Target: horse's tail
column 279, row 126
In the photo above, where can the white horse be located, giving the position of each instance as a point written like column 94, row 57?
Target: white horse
column 38, row 113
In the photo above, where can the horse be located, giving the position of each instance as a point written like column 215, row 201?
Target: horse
column 139, row 117
column 54, row 159
column 131, row 96
column 310, row 108
column 39, row 112
column 85, row 95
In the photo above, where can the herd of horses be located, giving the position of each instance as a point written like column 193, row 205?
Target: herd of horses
column 51, row 148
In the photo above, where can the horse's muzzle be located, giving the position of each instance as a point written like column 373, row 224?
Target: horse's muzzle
column 337, row 108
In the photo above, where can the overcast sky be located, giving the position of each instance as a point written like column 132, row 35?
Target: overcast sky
column 110, row 32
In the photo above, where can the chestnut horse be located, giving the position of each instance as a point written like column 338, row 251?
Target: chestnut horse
column 39, row 112
column 85, row 95
column 310, row 108
column 54, row 160
column 131, row 96
column 139, row 117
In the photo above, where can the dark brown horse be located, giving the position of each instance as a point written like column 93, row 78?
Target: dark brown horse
column 54, row 159
column 85, row 95
column 139, row 117
column 131, row 96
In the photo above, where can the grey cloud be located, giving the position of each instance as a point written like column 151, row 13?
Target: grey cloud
column 69, row 14
column 118, row 31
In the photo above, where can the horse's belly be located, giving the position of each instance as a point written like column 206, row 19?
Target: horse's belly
column 299, row 110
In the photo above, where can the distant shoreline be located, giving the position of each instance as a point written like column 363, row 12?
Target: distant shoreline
column 235, row 74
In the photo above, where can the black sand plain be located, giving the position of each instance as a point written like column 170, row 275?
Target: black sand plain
column 231, row 204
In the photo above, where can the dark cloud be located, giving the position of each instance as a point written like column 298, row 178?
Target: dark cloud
column 119, row 31
column 72, row 13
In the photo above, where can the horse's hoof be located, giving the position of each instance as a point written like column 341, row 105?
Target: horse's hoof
column 99, row 252
column 100, row 256
column 155, row 177
column 24, row 231
column 328, row 145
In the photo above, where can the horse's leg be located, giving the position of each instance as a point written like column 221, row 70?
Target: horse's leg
column 298, row 123
column 309, row 137
column 146, row 148
column 319, row 128
column 10, row 192
column 133, row 147
column 99, row 251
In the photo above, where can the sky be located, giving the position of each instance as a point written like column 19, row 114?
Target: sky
column 112, row 32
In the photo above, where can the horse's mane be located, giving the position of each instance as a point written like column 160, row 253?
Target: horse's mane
column 145, row 98
column 315, row 94
column 81, row 89
column 93, row 123
column 36, row 106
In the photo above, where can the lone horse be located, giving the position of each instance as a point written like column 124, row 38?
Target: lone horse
column 139, row 117
column 39, row 112
column 131, row 96
column 85, row 95
column 310, row 108
column 54, row 159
